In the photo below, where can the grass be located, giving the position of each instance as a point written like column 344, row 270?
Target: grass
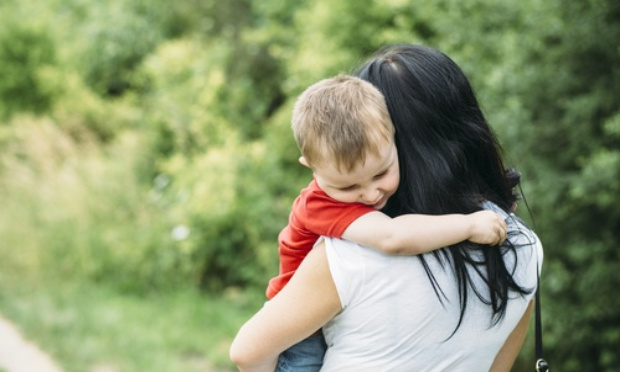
column 86, row 327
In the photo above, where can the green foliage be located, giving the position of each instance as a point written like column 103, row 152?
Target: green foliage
column 147, row 144
column 67, row 196
column 83, row 113
column 228, row 216
column 25, row 49
column 182, row 82
column 574, row 170
column 111, row 53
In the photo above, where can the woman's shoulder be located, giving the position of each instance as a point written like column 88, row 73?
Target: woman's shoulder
column 351, row 254
column 343, row 253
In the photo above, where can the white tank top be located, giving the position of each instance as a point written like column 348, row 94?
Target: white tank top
column 392, row 320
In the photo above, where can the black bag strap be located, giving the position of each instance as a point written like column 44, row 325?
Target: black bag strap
column 541, row 363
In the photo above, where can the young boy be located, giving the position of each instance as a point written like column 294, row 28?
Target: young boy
column 346, row 137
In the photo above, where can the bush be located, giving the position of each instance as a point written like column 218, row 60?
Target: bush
column 25, row 50
column 78, row 211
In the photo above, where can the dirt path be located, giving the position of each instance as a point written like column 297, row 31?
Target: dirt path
column 19, row 355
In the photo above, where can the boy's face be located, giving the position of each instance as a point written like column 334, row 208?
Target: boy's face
column 371, row 183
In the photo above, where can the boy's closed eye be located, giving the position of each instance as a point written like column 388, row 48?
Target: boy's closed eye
column 380, row 175
column 353, row 187
column 348, row 188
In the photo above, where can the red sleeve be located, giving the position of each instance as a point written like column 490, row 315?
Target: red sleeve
column 325, row 216
column 313, row 214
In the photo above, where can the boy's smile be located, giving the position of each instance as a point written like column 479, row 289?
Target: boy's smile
column 372, row 182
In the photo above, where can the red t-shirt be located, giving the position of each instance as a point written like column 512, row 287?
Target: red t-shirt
column 314, row 214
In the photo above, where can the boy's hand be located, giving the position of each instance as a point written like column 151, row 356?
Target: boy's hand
column 487, row 228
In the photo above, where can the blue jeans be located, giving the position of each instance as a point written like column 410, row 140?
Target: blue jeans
column 305, row 356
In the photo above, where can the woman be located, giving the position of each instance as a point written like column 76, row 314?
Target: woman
column 465, row 307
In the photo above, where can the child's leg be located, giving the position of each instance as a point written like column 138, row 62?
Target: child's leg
column 305, row 356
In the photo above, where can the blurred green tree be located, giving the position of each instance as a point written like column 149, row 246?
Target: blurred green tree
column 573, row 100
column 25, row 50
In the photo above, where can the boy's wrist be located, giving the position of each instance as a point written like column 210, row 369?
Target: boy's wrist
column 470, row 225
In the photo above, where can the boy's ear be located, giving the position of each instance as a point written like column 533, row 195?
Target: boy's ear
column 304, row 162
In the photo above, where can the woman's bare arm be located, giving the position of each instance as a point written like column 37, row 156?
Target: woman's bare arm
column 508, row 353
column 305, row 304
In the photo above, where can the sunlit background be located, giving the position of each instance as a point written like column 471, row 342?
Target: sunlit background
column 147, row 165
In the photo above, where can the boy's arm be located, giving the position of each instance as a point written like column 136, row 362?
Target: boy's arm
column 413, row 234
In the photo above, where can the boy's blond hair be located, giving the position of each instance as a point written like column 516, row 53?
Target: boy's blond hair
column 340, row 120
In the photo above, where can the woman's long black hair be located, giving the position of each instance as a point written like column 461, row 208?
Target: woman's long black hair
column 450, row 160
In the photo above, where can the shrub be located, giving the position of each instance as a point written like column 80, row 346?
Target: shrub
column 24, row 50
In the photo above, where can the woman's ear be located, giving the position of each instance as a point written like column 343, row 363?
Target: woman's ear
column 304, row 162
